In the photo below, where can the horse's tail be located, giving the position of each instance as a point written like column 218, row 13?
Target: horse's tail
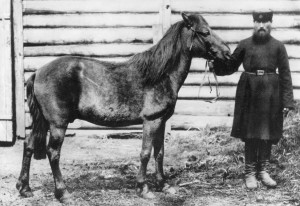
column 40, row 126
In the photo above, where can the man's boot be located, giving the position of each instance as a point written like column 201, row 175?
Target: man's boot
column 264, row 154
column 250, row 164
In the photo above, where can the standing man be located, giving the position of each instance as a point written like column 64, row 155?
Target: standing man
column 264, row 93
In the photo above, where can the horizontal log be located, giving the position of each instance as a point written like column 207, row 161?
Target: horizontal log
column 205, row 6
column 284, row 35
column 55, row 36
column 90, row 20
column 187, row 122
column 112, row 50
column 195, row 92
column 64, row 6
column 197, row 78
column 234, row 6
column 148, row 20
column 198, row 65
column 226, row 93
column 238, row 21
column 99, row 50
column 203, row 108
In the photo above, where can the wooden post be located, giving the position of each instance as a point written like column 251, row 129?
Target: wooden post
column 165, row 15
column 165, row 22
column 18, row 67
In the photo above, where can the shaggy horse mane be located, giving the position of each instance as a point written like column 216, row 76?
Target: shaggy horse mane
column 157, row 62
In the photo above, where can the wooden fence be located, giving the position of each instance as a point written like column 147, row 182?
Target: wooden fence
column 114, row 30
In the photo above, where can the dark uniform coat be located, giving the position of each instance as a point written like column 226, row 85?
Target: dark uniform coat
column 260, row 99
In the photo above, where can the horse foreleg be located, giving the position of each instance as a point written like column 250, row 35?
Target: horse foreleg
column 151, row 129
column 23, row 181
column 158, row 145
column 53, row 151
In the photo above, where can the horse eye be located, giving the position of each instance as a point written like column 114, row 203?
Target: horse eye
column 206, row 33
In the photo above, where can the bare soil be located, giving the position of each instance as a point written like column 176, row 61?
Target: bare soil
column 204, row 168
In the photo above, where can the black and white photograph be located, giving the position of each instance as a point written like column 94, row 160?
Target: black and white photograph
column 150, row 102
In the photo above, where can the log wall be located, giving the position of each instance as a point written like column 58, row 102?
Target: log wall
column 115, row 30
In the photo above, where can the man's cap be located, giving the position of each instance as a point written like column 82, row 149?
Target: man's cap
column 263, row 15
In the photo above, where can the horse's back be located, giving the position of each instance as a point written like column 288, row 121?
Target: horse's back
column 99, row 92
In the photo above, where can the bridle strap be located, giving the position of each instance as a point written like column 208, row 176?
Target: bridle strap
column 208, row 49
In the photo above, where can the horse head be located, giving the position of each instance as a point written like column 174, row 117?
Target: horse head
column 202, row 41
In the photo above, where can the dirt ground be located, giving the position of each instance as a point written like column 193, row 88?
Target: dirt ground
column 204, row 169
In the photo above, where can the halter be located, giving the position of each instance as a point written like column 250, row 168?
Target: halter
column 210, row 57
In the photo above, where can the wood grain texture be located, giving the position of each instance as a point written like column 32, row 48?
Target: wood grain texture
column 64, row 6
column 242, row 21
column 226, row 93
column 134, row 34
column 6, row 131
column 6, row 112
column 94, row 50
column 19, row 68
column 234, row 6
column 224, row 21
column 91, row 20
column 87, row 35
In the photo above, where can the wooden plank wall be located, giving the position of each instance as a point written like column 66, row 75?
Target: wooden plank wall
column 6, row 125
column 115, row 30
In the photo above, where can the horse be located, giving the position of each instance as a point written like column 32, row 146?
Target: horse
column 142, row 90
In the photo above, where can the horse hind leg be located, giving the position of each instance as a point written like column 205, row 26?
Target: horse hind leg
column 57, row 135
column 23, row 181
column 35, row 144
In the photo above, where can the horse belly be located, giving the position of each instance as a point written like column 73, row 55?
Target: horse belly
column 110, row 114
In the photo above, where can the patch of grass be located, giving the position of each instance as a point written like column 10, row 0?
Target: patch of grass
column 287, row 153
column 218, row 163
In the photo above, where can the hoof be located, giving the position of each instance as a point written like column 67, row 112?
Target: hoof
column 144, row 192
column 67, row 200
column 64, row 197
column 26, row 193
column 148, row 195
column 160, row 185
column 25, row 190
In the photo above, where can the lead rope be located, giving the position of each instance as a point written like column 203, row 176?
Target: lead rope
column 210, row 86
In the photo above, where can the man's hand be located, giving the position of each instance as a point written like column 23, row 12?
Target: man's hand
column 285, row 111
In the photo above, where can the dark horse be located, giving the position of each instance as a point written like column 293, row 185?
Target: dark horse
column 143, row 89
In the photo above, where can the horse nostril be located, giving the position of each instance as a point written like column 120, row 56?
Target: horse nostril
column 227, row 55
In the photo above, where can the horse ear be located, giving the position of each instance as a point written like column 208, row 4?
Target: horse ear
column 187, row 20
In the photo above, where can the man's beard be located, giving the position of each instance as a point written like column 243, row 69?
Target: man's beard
column 262, row 36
